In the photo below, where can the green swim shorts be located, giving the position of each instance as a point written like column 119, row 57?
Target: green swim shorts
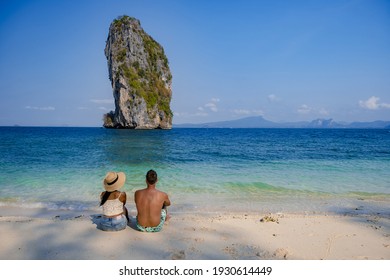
column 156, row 228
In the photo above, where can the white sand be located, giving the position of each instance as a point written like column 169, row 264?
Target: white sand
column 198, row 237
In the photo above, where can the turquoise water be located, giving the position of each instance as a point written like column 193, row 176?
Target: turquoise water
column 201, row 169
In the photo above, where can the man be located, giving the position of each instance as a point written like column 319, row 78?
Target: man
column 151, row 205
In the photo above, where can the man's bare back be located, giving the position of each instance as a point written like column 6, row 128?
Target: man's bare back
column 149, row 202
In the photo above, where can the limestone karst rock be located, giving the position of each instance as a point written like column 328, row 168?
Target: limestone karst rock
column 140, row 77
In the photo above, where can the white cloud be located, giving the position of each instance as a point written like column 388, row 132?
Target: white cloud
column 304, row 109
column 372, row 103
column 241, row 112
column 273, row 98
column 248, row 112
column 102, row 101
column 324, row 112
column 201, row 111
column 258, row 112
column 201, row 114
column 186, row 114
column 212, row 106
column 49, row 108
column 181, row 114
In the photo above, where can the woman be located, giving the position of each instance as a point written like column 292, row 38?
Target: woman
column 115, row 215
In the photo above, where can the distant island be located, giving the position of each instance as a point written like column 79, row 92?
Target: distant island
column 260, row 122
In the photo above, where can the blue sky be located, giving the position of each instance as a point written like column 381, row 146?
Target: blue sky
column 283, row 60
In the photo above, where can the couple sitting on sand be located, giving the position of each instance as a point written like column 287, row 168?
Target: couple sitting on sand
column 151, row 204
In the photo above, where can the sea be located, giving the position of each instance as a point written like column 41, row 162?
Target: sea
column 203, row 170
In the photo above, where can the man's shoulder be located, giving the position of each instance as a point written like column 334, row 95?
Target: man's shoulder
column 162, row 193
column 138, row 192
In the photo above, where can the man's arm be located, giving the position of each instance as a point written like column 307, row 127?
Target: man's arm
column 167, row 202
column 135, row 196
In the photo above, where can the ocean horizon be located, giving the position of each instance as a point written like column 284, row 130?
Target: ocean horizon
column 202, row 169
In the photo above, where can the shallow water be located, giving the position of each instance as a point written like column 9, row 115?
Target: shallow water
column 302, row 170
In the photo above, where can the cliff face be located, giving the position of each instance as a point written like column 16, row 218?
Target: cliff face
column 140, row 78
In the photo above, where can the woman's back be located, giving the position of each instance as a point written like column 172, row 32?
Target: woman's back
column 113, row 206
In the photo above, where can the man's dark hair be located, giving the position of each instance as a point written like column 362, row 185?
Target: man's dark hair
column 151, row 177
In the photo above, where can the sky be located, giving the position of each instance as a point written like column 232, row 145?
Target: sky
column 283, row 60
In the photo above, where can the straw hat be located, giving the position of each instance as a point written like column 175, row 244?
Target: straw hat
column 114, row 181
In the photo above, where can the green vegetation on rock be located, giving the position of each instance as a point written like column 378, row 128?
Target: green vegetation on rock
column 148, row 82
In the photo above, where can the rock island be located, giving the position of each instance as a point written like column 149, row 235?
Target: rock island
column 140, row 77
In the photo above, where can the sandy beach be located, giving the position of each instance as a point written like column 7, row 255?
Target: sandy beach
column 208, row 236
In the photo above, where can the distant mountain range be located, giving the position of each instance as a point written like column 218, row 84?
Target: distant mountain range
column 260, row 122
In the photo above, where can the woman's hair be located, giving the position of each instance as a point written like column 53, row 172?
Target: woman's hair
column 105, row 197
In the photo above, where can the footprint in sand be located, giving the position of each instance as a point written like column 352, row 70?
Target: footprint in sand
column 281, row 253
column 178, row 255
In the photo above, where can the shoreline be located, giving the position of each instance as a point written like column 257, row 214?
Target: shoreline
column 317, row 203
column 36, row 235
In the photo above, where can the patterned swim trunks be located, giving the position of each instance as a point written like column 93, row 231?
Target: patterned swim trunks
column 156, row 228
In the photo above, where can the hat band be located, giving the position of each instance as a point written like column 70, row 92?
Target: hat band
column 113, row 182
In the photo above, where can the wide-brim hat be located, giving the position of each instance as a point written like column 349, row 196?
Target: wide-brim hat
column 114, row 181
